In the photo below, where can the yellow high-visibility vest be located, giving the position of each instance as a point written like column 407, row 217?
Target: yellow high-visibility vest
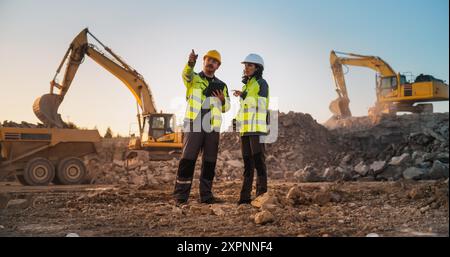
column 195, row 97
column 252, row 115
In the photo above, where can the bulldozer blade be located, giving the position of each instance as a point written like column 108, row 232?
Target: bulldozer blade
column 46, row 109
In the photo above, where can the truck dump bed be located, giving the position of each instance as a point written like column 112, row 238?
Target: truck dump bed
column 19, row 146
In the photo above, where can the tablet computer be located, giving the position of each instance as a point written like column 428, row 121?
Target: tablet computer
column 214, row 86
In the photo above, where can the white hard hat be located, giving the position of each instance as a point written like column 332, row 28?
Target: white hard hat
column 254, row 58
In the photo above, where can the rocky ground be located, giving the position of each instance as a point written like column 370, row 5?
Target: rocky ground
column 355, row 179
column 401, row 208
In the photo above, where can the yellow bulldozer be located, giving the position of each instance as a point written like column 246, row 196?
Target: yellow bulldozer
column 394, row 93
column 158, row 133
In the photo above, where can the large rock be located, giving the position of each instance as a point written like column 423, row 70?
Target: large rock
column 296, row 196
column 119, row 163
column 438, row 170
column 138, row 180
column 264, row 217
column 345, row 173
column 361, row 168
column 413, row 173
column 4, row 199
column 331, row 174
column 308, row 174
column 264, row 199
column 235, row 164
column 276, row 174
column 201, row 209
column 442, row 157
column 217, row 210
column 18, row 204
column 400, row 160
column 377, row 166
column 322, row 198
column 390, row 173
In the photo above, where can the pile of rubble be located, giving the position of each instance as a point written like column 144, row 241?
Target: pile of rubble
column 408, row 146
column 301, row 142
column 23, row 124
column 110, row 166
column 413, row 146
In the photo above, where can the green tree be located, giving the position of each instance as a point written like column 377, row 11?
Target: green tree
column 109, row 133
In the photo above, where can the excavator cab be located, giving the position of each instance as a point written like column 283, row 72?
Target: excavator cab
column 388, row 86
column 158, row 126
column 159, row 137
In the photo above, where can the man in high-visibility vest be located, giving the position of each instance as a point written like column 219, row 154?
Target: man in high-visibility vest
column 207, row 98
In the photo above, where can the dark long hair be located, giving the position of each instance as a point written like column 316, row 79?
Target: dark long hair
column 258, row 74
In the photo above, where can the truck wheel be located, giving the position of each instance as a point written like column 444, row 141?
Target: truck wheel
column 70, row 171
column 39, row 172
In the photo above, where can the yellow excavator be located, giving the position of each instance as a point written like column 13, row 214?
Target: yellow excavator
column 394, row 93
column 158, row 133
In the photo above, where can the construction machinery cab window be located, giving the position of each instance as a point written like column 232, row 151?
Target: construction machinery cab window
column 389, row 82
column 156, row 126
column 403, row 80
column 158, row 123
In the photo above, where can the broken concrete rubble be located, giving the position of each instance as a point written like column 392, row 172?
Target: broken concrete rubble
column 18, row 204
column 391, row 173
column 264, row 199
column 377, row 166
column 264, row 217
column 361, row 168
column 438, row 170
column 413, row 173
column 399, row 160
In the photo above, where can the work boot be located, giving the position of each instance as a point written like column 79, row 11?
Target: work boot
column 241, row 201
column 184, row 180
column 261, row 171
column 206, row 180
column 247, row 182
column 178, row 202
column 212, row 200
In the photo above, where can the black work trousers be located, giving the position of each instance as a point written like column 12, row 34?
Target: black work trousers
column 253, row 153
column 193, row 144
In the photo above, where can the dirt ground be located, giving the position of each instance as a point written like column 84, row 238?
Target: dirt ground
column 398, row 208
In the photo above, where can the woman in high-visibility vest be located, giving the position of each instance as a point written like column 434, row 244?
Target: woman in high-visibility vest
column 251, row 122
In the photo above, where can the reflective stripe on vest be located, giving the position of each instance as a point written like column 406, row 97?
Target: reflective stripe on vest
column 195, row 102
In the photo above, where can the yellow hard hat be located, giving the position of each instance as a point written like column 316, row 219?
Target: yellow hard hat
column 213, row 54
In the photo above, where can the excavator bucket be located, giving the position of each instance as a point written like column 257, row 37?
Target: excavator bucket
column 341, row 112
column 340, row 108
column 46, row 109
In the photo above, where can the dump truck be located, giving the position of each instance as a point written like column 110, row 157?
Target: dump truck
column 40, row 156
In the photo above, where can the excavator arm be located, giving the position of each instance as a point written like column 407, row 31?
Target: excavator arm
column 340, row 106
column 46, row 106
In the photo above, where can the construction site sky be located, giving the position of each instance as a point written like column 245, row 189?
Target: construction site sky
column 155, row 37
